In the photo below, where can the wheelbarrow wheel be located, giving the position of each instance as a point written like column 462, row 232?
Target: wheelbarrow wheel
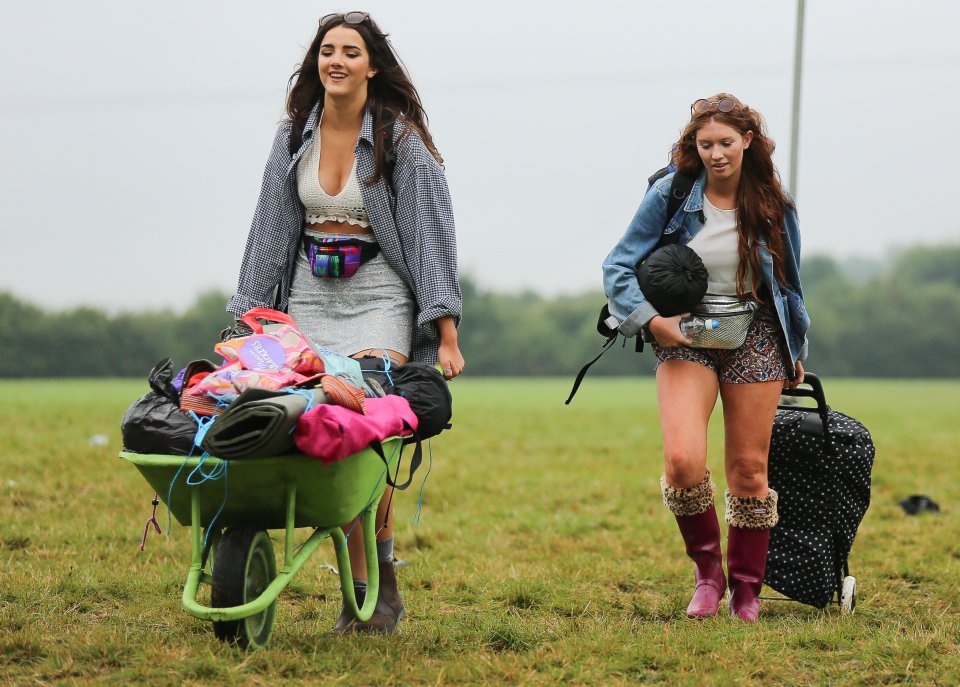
column 243, row 567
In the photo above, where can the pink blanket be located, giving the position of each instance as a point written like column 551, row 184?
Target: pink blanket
column 331, row 432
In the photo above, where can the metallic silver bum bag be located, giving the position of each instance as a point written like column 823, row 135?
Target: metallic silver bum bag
column 734, row 315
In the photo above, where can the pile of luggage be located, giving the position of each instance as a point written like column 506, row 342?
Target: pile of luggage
column 274, row 394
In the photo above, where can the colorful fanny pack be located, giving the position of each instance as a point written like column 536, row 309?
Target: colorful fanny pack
column 336, row 257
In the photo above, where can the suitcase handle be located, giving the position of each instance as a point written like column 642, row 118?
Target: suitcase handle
column 815, row 392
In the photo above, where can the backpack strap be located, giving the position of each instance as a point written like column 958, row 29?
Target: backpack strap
column 658, row 175
column 679, row 190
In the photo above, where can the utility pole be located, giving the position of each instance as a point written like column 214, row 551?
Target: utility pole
column 795, row 128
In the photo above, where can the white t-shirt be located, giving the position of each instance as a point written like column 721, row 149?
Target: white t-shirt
column 716, row 243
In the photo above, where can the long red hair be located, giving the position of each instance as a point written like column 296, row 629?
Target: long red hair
column 761, row 202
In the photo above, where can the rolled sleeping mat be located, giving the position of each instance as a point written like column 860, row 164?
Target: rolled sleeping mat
column 259, row 423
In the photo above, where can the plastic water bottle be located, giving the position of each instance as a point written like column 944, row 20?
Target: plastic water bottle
column 693, row 325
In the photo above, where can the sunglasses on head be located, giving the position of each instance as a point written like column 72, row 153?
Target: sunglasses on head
column 348, row 18
column 721, row 105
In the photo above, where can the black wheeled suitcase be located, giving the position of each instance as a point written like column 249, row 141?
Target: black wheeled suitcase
column 820, row 466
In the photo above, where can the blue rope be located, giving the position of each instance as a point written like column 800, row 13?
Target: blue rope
column 203, row 426
column 415, row 520
column 206, row 535
column 219, row 470
column 306, row 393
column 387, row 364
column 170, row 490
column 216, row 473
column 173, row 481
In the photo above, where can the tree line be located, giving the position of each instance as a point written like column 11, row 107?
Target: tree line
column 900, row 321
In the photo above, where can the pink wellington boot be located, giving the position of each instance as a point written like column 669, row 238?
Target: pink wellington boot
column 696, row 516
column 748, row 540
column 701, row 534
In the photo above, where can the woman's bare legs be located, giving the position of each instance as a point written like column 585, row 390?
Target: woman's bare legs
column 686, row 395
column 748, row 412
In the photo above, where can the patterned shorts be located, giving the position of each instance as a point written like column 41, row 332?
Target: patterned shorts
column 759, row 359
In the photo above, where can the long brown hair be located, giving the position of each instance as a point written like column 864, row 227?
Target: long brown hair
column 761, row 202
column 391, row 95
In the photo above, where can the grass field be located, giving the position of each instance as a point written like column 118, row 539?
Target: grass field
column 543, row 556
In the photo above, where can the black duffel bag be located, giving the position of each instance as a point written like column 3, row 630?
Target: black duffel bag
column 422, row 385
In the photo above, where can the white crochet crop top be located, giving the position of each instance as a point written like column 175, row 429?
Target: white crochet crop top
column 319, row 206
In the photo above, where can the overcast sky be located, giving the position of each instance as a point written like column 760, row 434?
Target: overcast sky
column 134, row 134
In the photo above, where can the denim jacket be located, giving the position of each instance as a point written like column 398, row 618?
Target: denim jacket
column 412, row 220
column 627, row 302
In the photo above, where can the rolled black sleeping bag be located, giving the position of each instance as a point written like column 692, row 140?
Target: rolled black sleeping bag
column 673, row 279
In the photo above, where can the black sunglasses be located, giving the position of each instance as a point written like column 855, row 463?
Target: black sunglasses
column 722, row 105
column 348, row 18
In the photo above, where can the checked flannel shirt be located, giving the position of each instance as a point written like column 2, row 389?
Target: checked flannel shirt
column 414, row 227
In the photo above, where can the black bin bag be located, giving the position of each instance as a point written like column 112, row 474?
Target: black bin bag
column 154, row 422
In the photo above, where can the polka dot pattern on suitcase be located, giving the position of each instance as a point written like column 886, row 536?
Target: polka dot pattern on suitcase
column 824, row 487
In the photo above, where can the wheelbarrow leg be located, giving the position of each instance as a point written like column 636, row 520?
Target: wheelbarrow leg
column 291, row 524
column 373, row 570
column 196, row 548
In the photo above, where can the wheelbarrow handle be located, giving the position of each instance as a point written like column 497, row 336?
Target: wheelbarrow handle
column 365, row 612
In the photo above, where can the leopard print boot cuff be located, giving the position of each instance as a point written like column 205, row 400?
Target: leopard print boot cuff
column 752, row 512
column 690, row 501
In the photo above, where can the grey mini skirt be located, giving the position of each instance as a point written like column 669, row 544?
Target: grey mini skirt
column 372, row 309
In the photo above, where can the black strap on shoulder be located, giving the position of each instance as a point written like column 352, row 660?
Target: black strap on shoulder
column 658, row 175
column 679, row 190
column 680, row 187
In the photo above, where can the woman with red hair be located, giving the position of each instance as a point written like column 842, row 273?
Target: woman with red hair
column 743, row 226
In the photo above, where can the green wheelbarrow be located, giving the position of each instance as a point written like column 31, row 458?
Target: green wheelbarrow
column 228, row 518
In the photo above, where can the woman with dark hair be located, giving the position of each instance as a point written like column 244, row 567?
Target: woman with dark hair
column 743, row 226
column 353, row 233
